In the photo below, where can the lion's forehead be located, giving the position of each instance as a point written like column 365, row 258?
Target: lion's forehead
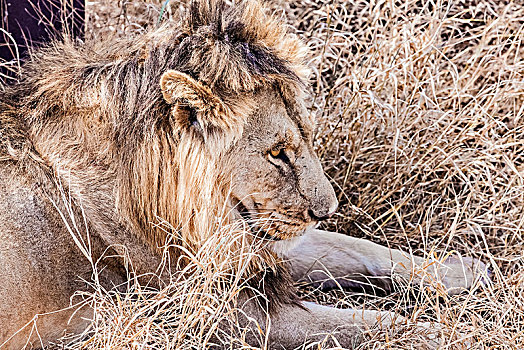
column 274, row 121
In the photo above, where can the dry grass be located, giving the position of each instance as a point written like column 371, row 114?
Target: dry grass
column 421, row 128
column 185, row 313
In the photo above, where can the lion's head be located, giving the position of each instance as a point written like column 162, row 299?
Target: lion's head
column 270, row 165
column 276, row 173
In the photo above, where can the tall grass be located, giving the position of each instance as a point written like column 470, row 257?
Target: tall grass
column 196, row 308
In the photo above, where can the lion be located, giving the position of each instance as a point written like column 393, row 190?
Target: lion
column 178, row 124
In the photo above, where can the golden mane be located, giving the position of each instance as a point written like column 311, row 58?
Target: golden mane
column 117, row 110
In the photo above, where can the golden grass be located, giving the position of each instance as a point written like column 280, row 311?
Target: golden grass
column 421, row 129
column 185, row 313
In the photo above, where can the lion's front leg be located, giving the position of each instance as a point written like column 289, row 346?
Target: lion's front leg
column 328, row 258
column 294, row 325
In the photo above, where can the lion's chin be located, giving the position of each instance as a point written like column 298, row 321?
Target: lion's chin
column 280, row 231
column 283, row 246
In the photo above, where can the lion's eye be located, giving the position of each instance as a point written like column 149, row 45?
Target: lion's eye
column 276, row 152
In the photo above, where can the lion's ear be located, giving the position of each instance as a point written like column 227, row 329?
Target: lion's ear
column 179, row 87
column 195, row 103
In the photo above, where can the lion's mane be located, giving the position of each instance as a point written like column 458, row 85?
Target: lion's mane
column 97, row 117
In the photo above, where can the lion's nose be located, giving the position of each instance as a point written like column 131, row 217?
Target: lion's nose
column 324, row 214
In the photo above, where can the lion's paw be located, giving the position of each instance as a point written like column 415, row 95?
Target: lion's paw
column 459, row 273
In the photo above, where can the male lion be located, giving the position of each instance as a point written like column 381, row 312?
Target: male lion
column 174, row 124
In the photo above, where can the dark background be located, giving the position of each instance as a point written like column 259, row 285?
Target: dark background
column 29, row 23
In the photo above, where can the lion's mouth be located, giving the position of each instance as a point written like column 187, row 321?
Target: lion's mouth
column 250, row 219
column 266, row 225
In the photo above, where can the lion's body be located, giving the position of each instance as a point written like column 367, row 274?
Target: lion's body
column 41, row 267
column 178, row 124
